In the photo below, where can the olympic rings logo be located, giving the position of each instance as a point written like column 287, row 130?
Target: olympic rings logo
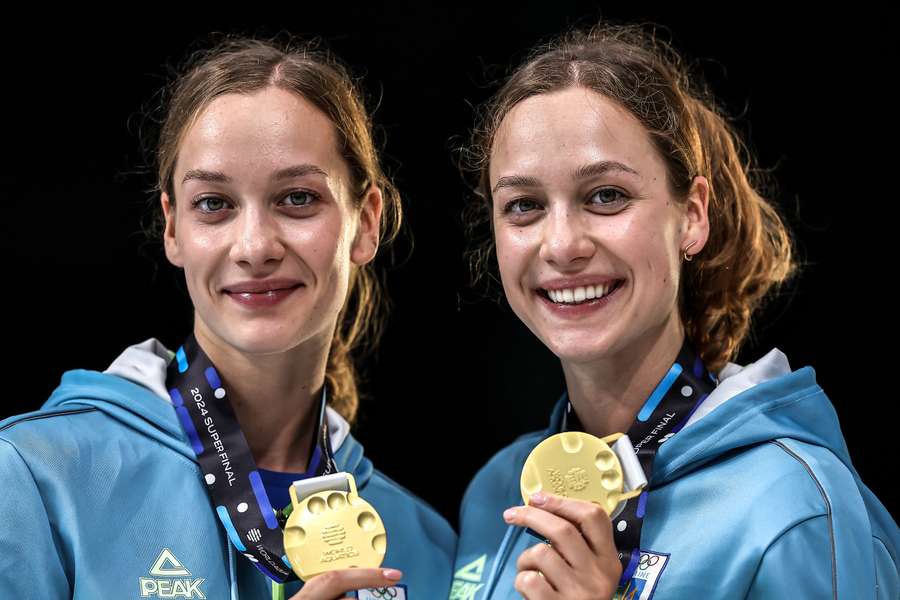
column 388, row 592
column 647, row 561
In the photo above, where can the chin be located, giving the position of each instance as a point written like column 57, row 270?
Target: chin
column 578, row 354
column 578, row 347
column 254, row 339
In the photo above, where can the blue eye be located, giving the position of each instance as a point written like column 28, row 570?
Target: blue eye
column 607, row 196
column 301, row 198
column 520, row 206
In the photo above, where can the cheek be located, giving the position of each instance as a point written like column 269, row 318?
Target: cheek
column 325, row 249
column 660, row 268
column 647, row 245
column 513, row 249
column 198, row 253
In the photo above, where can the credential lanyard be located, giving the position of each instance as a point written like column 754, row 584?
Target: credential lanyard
column 684, row 387
column 232, row 480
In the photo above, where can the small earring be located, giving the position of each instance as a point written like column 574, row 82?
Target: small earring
column 688, row 257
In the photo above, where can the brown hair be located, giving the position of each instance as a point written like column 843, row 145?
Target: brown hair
column 240, row 65
column 749, row 250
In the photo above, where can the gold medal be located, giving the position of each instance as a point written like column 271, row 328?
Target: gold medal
column 333, row 529
column 579, row 465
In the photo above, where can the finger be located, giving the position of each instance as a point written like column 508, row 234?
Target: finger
column 533, row 586
column 545, row 559
column 564, row 535
column 589, row 518
column 335, row 584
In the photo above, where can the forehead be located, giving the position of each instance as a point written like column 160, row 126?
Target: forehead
column 267, row 129
column 566, row 129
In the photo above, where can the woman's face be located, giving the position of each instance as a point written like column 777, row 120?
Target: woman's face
column 582, row 208
column 264, row 224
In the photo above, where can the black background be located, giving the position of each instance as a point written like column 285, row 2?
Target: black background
column 456, row 377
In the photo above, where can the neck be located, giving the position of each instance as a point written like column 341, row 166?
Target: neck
column 275, row 397
column 607, row 394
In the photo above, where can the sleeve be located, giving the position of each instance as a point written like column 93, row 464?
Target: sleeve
column 887, row 576
column 30, row 562
column 802, row 563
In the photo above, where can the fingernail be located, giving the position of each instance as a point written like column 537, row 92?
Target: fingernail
column 509, row 514
column 393, row 574
column 538, row 499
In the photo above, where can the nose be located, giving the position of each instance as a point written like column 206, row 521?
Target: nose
column 565, row 241
column 257, row 238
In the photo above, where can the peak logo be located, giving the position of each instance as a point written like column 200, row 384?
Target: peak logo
column 170, row 579
column 467, row 580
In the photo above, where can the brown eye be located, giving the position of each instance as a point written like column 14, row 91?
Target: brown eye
column 209, row 204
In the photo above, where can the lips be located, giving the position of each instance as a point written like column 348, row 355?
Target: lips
column 577, row 310
column 261, row 286
column 261, row 293
column 265, row 298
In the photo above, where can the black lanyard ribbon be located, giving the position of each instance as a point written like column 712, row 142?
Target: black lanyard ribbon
column 232, row 480
column 668, row 409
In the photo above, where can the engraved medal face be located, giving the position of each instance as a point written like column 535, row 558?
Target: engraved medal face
column 575, row 465
column 333, row 530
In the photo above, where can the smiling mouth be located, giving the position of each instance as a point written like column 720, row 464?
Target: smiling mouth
column 579, row 295
column 263, row 297
column 271, row 292
column 265, row 293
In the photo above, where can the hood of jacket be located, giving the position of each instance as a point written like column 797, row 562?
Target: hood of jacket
column 751, row 404
column 133, row 391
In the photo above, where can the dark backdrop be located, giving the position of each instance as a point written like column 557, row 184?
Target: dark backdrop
column 456, row 378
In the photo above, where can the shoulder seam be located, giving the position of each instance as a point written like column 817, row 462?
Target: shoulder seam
column 36, row 417
column 827, row 511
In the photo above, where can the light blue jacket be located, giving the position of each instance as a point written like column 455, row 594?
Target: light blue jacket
column 101, row 497
column 755, row 498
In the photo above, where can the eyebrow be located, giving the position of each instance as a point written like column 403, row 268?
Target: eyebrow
column 582, row 172
column 286, row 173
column 602, row 167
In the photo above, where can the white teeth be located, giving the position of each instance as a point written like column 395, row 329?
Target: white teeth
column 578, row 294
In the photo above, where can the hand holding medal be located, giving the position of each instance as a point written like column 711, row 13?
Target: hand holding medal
column 581, row 466
column 331, row 527
column 335, row 540
column 586, row 475
column 340, row 583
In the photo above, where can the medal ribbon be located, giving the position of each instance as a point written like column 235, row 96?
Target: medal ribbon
column 684, row 387
column 232, row 480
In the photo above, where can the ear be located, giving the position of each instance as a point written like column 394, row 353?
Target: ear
column 170, row 242
column 366, row 243
column 696, row 216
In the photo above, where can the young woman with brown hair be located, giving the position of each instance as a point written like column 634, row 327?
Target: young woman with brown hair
column 167, row 475
column 631, row 240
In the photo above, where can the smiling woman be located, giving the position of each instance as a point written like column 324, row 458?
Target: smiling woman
column 226, row 468
column 631, row 240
